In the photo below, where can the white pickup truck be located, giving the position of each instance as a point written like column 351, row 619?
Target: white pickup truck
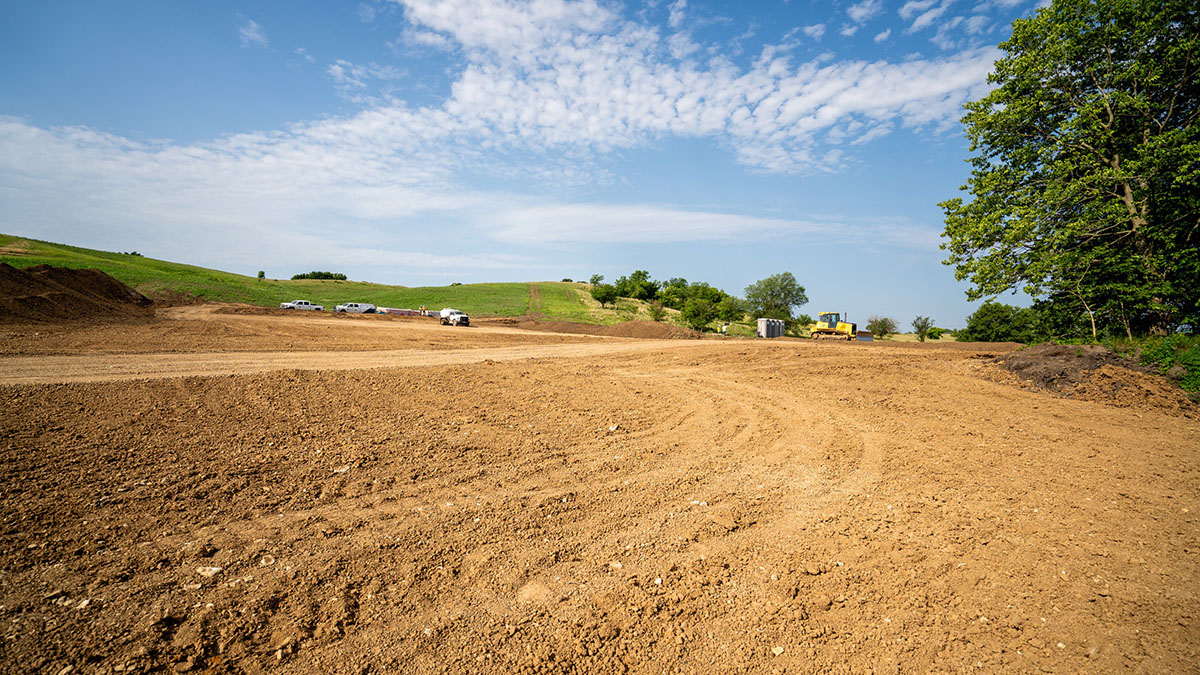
column 453, row 317
column 355, row 308
column 301, row 304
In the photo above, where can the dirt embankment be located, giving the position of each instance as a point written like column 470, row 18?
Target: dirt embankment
column 1093, row 373
column 46, row 294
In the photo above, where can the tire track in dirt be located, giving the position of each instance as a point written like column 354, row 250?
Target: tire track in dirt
column 63, row 369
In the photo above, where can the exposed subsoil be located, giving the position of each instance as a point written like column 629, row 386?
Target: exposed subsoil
column 632, row 329
column 46, row 294
column 586, row 505
column 1093, row 373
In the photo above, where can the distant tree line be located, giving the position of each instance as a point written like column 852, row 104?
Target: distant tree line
column 700, row 303
column 320, row 275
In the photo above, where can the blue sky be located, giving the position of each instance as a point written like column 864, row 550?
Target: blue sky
column 424, row 142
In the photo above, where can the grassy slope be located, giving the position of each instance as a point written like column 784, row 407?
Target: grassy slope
column 553, row 300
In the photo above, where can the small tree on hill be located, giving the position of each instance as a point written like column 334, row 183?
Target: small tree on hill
column 922, row 325
column 881, row 326
column 262, row 275
column 731, row 309
column 604, row 293
column 698, row 313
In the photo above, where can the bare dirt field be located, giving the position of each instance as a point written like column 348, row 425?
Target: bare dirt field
column 222, row 493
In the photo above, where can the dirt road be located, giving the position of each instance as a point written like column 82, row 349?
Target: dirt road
column 112, row 367
column 586, row 506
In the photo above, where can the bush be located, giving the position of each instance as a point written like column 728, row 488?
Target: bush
column 997, row 322
column 604, row 293
column 922, row 325
column 262, row 275
column 697, row 313
column 731, row 309
column 568, row 280
column 881, row 326
column 936, row 333
column 657, row 311
column 320, row 275
column 1175, row 350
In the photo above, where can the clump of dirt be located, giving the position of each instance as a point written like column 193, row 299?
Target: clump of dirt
column 46, row 294
column 635, row 329
column 1093, row 373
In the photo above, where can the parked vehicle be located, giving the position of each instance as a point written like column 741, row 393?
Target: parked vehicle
column 355, row 308
column 453, row 317
column 301, row 304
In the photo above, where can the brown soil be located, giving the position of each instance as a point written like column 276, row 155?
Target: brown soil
column 650, row 330
column 56, row 294
column 577, row 504
column 1093, row 373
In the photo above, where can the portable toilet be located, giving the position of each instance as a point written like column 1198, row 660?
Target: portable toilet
column 770, row 328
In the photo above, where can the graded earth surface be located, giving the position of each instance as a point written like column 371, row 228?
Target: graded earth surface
column 211, row 491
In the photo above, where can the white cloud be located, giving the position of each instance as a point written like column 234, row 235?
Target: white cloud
column 352, row 81
column 251, row 35
column 977, row 23
column 944, row 37
column 915, row 7
column 303, row 53
column 848, row 29
column 551, row 88
column 883, row 35
column 926, row 18
column 864, row 10
column 815, row 31
column 675, row 17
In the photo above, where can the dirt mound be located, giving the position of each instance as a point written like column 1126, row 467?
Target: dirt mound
column 55, row 294
column 1093, row 373
column 635, row 329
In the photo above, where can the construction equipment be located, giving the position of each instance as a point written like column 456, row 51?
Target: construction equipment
column 829, row 326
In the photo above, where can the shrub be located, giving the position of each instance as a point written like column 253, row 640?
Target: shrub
column 731, row 309
column 604, row 293
column 1175, row 350
column 922, row 325
column 881, row 326
column 997, row 322
column 262, row 275
column 657, row 311
column 698, row 313
column 320, row 275
column 568, row 280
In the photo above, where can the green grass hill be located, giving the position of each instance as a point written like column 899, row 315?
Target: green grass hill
column 557, row 301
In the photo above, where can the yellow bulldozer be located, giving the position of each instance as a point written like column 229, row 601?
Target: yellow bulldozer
column 829, row 326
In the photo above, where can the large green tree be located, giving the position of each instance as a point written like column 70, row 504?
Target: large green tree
column 775, row 296
column 1085, row 182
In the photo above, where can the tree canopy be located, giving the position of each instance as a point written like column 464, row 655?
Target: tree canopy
column 997, row 322
column 1085, row 181
column 775, row 296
